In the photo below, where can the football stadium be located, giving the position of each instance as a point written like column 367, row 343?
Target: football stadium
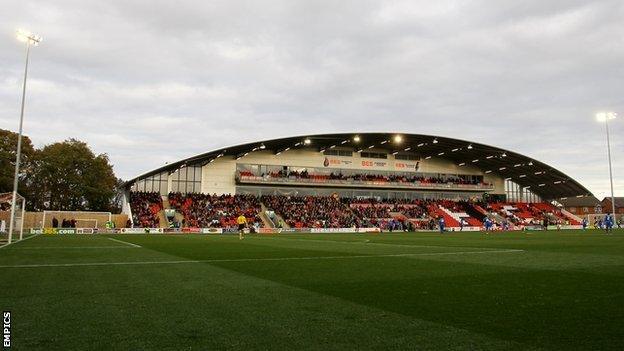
column 353, row 182
column 332, row 241
column 311, row 175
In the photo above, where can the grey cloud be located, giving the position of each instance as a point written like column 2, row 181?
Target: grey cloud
column 150, row 82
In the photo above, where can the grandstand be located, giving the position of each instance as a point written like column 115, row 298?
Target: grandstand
column 357, row 180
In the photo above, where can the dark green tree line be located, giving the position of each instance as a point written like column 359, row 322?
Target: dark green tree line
column 61, row 176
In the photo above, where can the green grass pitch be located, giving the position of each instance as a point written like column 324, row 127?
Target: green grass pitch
column 469, row 291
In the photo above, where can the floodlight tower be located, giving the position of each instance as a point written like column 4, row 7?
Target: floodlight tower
column 606, row 117
column 31, row 40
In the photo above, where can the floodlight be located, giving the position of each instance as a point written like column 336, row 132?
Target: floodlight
column 307, row 141
column 398, row 139
column 605, row 116
column 356, row 138
column 27, row 37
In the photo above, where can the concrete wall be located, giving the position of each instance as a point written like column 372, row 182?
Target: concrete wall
column 35, row 219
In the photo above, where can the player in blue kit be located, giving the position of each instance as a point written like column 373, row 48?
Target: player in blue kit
column 441, row 224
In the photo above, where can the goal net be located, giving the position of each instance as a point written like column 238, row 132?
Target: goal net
column 6, row 201
column 75, row 219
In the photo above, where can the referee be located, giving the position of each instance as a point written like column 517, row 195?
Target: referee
column 242, row 223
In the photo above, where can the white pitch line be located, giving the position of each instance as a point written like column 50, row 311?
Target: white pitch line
column 125, row 242
column 255, row 259
column 19, row 241
column 70, row 247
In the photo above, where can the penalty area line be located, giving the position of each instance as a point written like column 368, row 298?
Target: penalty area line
column 255, row 259
column 125, row 242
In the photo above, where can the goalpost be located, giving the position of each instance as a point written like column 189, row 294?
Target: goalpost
column 82, row 219
column 6, row 200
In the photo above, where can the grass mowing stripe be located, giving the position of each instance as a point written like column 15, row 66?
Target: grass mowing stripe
column 125, row 242
column 254, row 259
column 368, row 242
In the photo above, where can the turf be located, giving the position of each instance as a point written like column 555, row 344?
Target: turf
column 468, row 291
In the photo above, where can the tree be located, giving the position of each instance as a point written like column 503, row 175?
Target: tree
column 69, row 176
column 8, row 154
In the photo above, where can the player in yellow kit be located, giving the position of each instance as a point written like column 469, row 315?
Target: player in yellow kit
column 242, row 223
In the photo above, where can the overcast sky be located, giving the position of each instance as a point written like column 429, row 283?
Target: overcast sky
column 149, row 82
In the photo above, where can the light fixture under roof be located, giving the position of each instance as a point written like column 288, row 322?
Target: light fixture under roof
column 435, row 141
column 262, row 147
column 398, row 139
column 307, row 141
column 470, row 147
column 356, row 138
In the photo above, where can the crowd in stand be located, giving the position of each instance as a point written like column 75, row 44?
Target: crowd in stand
column 376, row 208
column 145, row 207
column 205, row 211
column 312, row 211
column 387, row 178
column 221, row 211
column 528, row 213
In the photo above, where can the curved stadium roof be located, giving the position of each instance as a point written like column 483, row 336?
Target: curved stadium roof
column 543, row 180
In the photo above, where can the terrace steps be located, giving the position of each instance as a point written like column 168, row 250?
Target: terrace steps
column 268, row 223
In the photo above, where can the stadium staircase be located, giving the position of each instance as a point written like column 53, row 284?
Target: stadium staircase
column 475, row 212
column 178, row 217
column 440, row 212
column 574, row 219
column 278, row 218
column 480, row 210
column 457, row 216
column 162, row 218
column 268, row 223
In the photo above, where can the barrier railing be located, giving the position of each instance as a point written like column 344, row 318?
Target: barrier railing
column 359, row 183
